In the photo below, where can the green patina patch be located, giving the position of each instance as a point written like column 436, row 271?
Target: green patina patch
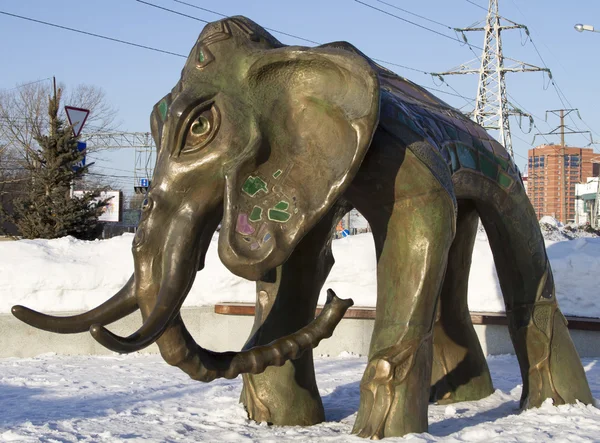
column 453, row 159
column 478, row 144
column 163, row 107
column 278, row 212
column 503, row 163
column 256, row 214
column 277, row 173
column 467, row 157
column 451, row 131
column 488, row 167
column 278, row 216
column 402, row 118
column 253, row 185
column 504, row 180
column 201, row 56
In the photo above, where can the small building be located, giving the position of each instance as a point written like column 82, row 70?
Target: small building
column 587, row 209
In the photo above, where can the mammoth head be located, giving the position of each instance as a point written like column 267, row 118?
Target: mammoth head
column 260, row 136
column 274, row 133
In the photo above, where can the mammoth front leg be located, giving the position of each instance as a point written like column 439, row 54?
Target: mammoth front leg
column 412, row 248
column 286, row 302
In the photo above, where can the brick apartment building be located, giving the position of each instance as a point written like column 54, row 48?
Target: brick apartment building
column 545, row 168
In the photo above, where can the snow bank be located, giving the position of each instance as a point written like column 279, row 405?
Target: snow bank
column 72, row 275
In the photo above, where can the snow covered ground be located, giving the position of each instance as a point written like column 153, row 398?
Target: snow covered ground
column 139, row 398
column 72, row 275
column 116, row 398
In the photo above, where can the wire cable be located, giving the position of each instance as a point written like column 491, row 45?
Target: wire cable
column 225, row 16
column 172, row 11
column 30, row 83
column 79, row 31
column 475, row 4
column 270, row 29
column 408, row 21
column 412, row 13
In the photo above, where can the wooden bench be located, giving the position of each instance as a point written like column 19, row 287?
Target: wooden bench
column 366, row 313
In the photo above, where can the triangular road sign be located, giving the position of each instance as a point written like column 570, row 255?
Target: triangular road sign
column 77, row 118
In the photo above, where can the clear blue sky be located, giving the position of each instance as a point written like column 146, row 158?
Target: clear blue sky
column 134, row 79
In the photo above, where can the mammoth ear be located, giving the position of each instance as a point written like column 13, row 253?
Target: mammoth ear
column 317, row 110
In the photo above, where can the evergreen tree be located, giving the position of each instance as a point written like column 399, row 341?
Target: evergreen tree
column 48, row 210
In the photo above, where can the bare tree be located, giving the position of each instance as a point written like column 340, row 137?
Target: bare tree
column 23, row 116
column 102, row 114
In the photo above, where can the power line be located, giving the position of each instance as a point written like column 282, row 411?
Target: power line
column 172, row 11
column 408, row 21
column 455, row 94
column 268, row 29
column 30, row 83
column 475, row 4
column 412, row 13
column 561, row 95
column 92, row 34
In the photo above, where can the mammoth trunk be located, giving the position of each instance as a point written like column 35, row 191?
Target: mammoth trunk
column 160, row 300
column 206, row 365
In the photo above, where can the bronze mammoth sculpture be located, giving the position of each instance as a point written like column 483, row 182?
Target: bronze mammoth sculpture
column 279, row 142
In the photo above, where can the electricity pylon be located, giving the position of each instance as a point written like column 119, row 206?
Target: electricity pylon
column 492, row 106
column 143, row 144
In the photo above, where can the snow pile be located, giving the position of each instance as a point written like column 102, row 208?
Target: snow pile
column 546, row 219
column 72, row 275
column 554, row 230
column 142, row 399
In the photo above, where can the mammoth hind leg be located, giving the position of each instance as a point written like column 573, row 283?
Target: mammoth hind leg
column 550, row 365
column 286, row 302
column 460, row 371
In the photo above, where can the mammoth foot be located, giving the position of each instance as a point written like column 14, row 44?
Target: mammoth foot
column 256, row 409
column 394, row 392
column 458, row 374
column 276, row 397
column 550, row 364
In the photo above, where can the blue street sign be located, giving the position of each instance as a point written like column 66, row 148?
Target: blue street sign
column 81, row 148
column 144, row 182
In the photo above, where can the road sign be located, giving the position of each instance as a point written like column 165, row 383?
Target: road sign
column 81, row 148
column 77, row 118
column 142, row 186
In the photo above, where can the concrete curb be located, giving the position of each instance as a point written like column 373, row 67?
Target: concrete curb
column 229, row 332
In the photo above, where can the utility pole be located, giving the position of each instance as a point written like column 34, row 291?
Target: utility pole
column 491, row 106
column 595, row 211
column 562, row 113
column 563, row 165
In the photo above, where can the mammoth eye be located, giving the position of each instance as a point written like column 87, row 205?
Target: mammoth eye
column 201, row 130
column 200, row 127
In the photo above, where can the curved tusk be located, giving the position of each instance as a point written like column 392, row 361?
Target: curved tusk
column 121, row 304
column 154, row 326
column 122, row 345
